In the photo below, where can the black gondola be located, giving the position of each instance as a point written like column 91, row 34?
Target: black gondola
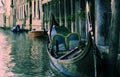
column 65, row 49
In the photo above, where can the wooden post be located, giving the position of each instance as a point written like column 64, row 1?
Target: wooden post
column 60, row 22
column 65, row 16
column 103, row 16
column 82, row 19
column 71, row 5
column 114, row 38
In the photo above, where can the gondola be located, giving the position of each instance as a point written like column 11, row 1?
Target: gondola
column 66, row 50
column 16, row 28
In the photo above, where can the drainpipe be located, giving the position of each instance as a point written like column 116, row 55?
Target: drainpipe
column 13, row 12
column 30, row 21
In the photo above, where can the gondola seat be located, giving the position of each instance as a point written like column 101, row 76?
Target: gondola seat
column 62, row 44
column 73, row 40
column 59, row 44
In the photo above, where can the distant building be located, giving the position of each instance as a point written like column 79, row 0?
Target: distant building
column 2, row 10
column 1, row 20
column 69, row 13
column 7, row 13
column 18, row 12
column 22, row 12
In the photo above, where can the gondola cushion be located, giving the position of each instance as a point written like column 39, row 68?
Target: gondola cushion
column 61, row 42
column 73, row 40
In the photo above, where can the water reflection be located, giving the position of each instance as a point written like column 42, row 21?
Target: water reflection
column 29, row 56
column 21, row 56
column 5, row 58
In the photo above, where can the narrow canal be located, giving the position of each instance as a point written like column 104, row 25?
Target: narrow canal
column 23, row 56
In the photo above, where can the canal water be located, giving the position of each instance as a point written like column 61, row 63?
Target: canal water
column 23, row 56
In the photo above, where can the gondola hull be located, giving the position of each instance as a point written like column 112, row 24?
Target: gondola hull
column 37, row 33
column 74, row 66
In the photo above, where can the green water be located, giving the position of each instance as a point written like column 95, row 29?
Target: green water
column 23, row 56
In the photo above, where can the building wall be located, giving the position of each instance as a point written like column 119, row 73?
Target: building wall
column 1, row 21
column 7, row 12
column 69, row 13
column 23, row 14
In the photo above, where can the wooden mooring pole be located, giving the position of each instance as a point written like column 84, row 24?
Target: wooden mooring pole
column 114, row 39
